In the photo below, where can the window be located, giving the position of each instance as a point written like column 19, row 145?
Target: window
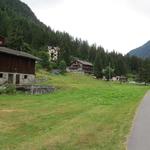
column 25, row 76
column 1, row 75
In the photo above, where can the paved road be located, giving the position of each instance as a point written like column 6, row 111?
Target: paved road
column 140, row 134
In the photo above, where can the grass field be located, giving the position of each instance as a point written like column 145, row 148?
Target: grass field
column 83, row 114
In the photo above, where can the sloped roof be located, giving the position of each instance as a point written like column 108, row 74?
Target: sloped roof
column 84, row 62
column 17, row 53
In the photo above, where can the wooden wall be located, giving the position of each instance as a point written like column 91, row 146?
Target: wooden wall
column 16, row 64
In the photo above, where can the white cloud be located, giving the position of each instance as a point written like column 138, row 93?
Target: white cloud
column 113, row 24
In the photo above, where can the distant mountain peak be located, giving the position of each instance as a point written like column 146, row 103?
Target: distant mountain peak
column 147, row 43
column 142, row 51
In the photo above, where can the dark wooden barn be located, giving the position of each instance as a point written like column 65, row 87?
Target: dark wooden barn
column 16, row 67
column 81, row 66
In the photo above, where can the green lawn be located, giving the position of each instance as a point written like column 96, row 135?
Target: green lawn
column 83, row 114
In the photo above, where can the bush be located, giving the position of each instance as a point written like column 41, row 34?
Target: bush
column 54, row 65
column 8, row 89
column 62, row 67
column 38, row 66
column 108, row 72
column 45, row 63
column 2, row 89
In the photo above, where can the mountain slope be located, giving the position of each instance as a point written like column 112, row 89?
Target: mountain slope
column 18, row 23
column 142, row 51
column 17, row 8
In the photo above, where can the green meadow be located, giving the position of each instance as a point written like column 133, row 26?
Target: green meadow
column 82, row 114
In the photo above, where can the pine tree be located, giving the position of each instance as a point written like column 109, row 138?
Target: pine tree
column 92, row 53
column 144, row 73
column 15, row 39
column 62, row 67
column 45, row 63
column 108, row 72
column 98, row 66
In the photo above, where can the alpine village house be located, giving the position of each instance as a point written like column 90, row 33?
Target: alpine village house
column 81, row 66
column 16, row 67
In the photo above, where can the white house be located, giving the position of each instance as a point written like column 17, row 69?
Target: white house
column 53, row 53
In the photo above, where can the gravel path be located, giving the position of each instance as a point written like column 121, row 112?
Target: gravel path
column 140, row 134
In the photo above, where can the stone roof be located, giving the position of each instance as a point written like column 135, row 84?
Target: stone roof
column 17, row 53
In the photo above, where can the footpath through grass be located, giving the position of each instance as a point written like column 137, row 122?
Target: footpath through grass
column 84, row 114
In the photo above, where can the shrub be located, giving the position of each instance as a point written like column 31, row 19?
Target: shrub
column 62, row 67
column 45, row 63
column 2, row 89
column 8, row 89
column 108, row 72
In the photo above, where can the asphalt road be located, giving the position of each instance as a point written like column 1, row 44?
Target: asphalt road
column 140, row 134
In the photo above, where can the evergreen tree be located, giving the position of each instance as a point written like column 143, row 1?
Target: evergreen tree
column 108, row 72
column 15, row 39
column 3, row 23
column 98, row 66
column 92, row 53
column 144, row 73
column 84, row 48
column 45, row 63
column 62, row 67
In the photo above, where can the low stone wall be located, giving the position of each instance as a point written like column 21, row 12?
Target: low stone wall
column 35, row 89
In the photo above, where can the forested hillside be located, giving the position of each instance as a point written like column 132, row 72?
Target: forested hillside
column 23, row 31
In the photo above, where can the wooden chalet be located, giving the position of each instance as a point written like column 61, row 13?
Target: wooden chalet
column 81, row 66
column 16, row 67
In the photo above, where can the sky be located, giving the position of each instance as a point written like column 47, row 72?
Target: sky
column 119, row 25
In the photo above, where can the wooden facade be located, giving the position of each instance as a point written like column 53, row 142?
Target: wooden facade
column 14, row 64
column 81, row 66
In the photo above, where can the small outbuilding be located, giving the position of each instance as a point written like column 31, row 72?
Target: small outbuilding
column 16, row 67
column 81, row 66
